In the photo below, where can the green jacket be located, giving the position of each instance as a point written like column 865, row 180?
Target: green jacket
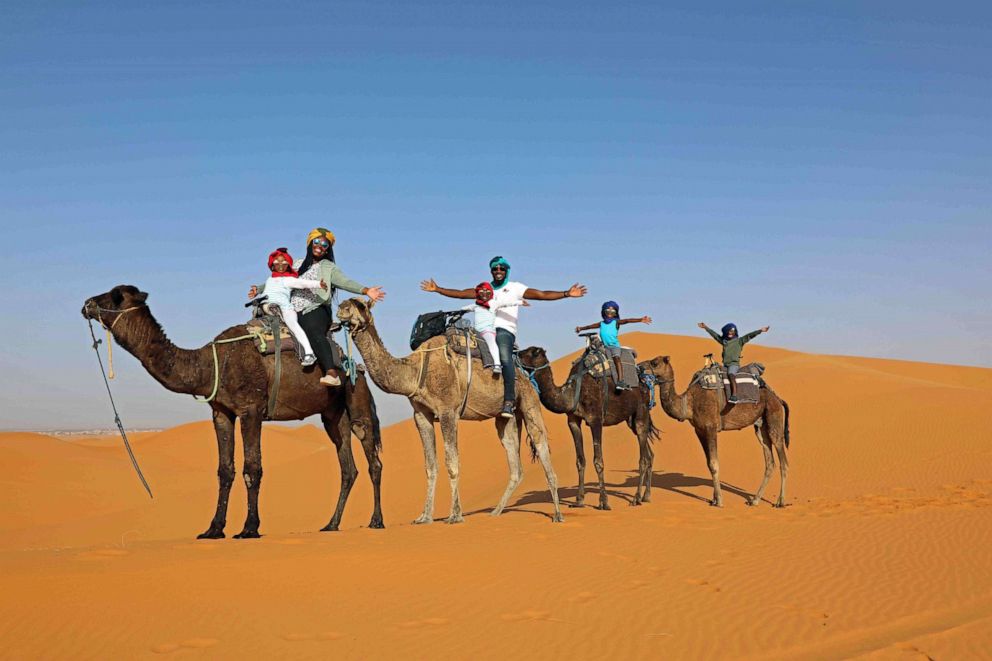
column 733, row 350
column 335, row 278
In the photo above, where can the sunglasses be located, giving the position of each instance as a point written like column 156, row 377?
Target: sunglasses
column 321, row 242
column 498, row 267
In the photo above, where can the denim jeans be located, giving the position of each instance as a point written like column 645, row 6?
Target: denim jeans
column 505, row 340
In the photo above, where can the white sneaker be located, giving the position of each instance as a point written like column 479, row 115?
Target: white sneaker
column 497, row 369
column 308, row 360
column 330, row 380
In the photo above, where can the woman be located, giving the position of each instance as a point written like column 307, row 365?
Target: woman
column 314, row 306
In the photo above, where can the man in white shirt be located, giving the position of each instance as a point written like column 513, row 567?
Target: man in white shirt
column 508, row 295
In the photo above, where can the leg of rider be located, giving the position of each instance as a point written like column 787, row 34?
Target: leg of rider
column 315, row 324
column 505, row 340
column 289, row 318
column 490, row 338
column 619, row 367
column 731, row 371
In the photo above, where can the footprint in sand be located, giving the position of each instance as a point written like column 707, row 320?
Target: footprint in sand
column 426, row 622
column 529, row 615
column 191, row 644
column 300, row 637
column 703, row 584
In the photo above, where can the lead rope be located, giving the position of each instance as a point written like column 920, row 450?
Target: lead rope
column 113, row 405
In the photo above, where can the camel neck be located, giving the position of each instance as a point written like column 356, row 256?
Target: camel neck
column 179, row 370
column 397, row 376
column 553, row 396
column 671, row 402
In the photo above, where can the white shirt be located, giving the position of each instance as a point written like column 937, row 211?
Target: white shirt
column 508, row 299
column 278, row 289
column 485, row 318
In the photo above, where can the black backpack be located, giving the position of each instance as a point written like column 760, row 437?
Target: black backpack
column 428, row 325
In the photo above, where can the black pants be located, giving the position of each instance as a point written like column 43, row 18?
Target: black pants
column 505, row 340
column 315, row 324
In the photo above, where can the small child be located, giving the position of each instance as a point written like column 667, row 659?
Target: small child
column 733, row 349
column 609, row 330
column 278, row 288
column 485, row 321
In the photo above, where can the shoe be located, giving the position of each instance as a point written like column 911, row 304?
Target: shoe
column 507, row 410
column 497, row 369
column 622, row 386
column 330, row 380
column 732, row 399
column 308, row 360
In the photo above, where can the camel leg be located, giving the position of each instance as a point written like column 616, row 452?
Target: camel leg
column 775, row 427
column 449, row 431
column 707, row 438
column 596, row 426
column 251, row 438
column 337, row 424
column 645, row 461
column 509, row 436
column 425, row 425
column 769, row 463
column 367, row 438
column 536, row 429
column 224, row 428
column 575, row 426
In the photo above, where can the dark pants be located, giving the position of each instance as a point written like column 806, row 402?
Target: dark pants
column 315, row 324
column 505, row 340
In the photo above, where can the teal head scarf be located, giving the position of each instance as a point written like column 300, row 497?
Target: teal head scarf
column 500, row 261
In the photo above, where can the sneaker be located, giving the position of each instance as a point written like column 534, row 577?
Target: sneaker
column 732, row 399
column 308, row 360
column 507, row 410
column 622, row 386
column 497, row 369
column 330, row 380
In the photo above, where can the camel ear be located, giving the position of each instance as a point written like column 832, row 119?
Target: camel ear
column 116, row 296
column 141, row 297
column 666, row 359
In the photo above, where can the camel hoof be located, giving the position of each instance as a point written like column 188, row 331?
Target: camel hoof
column 779, row 505
column 753, row 502
column 604, row 507
column 330, row 527
column 211, row 533
column 377, row 524
column 636, row 502
column 577, row 503
column 716, row 503
column 247, row 534
column 557, row 518
column 496, row 512
column 422, row 521
column 454, row 519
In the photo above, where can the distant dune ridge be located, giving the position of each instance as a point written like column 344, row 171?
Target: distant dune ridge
column 882, row 553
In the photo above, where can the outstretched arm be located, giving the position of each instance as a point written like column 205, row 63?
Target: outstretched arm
column 579, row 329
column 753, row 334
column 638, row 320
column 575, row 291
column 430, row 285
column 713, row 333
column 297, row 283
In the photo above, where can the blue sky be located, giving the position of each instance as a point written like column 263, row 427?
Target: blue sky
column 820, row 167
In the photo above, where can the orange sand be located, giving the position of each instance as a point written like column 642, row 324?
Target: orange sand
column 883, row 552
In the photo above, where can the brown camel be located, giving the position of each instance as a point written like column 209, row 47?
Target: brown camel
column 433, row 378
column 242, row 382
column 629, row 406
column 709, row 415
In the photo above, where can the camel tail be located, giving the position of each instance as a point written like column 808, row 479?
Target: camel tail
column 785, row 405
column 654, row 434
column 533, row 447
column 377, row 429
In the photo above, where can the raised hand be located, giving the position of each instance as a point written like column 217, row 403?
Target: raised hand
column 645, row 320
column 252, row 291
column 577, row 291
column 375, row 294
column 766, row 329
column 323, row 285
column 428, row 285
column 701, row 325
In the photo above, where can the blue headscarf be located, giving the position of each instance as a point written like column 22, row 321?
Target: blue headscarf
column 609, row 304
column 500, row 261
column 727, row 328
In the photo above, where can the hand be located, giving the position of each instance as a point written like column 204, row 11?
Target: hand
column 701, row 325
column 253, row 291
column 766, row 329
column 375, row 294
column 524, row 304
column 578, row 329
column 428, row 285
column 646, row 320
column 323, row 285
column 577, row 291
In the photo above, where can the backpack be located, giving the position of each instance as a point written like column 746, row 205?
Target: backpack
column 428, row 325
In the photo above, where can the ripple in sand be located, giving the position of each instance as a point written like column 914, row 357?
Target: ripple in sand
column 192, row 644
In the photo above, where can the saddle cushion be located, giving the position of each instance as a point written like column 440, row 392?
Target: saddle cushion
column 264, row 341
column 748, row 379
column 477, row 348
column 599, row 364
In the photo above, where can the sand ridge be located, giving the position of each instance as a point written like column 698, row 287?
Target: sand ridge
column 881, row 553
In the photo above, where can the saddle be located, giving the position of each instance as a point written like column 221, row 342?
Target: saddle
column 460, row 338
column 261, row 328
column 599, row 365
column 748, row 379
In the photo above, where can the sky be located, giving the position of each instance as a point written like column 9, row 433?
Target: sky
column 822, row 168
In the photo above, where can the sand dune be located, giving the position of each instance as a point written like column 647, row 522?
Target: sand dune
column 882, row 553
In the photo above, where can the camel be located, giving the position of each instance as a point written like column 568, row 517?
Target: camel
column 702, row 408
column 242, row 383
column 433, row 378
column 630, row 406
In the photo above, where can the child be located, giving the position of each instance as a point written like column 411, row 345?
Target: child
column 278, row 288
column 485, row 320
column 609, row 329
column 733, row 348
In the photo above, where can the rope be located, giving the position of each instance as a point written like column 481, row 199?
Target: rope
column 533, row 379
column 649, row 380
column 113, row 405
column 423, row 364
column 213, row 347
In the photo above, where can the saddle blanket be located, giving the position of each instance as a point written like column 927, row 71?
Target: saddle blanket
column 599, row 363
column 478, row 348
column 748, row 379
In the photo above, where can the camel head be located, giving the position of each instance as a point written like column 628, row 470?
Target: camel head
column 355, row 313
column 533, row 357
column 660, row 367
column 109, row 307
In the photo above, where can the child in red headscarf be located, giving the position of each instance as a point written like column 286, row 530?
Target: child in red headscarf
column 485, row 320
column 278, row 288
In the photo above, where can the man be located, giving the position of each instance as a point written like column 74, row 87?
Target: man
column 507, row 296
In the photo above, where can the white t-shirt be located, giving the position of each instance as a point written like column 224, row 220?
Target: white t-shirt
column 508, row 299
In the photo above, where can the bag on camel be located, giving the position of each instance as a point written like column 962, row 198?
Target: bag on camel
column 428, row 325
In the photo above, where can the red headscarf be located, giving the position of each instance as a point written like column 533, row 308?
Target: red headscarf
column 483, row 286
column 288, row 273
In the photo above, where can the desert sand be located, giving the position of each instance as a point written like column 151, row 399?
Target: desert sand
column 882, row 553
